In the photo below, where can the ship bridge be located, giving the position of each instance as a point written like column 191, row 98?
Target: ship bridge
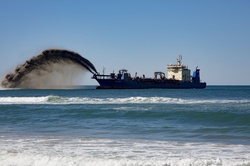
column 178, row 71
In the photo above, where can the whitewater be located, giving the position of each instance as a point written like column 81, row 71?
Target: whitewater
column 128, row 100
column 78, row 127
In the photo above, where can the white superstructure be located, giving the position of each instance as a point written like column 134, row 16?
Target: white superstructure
column 178, row 71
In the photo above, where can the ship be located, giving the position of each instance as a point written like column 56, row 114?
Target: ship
column 178, row 77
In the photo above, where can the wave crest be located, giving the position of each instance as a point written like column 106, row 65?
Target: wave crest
column 128, row 100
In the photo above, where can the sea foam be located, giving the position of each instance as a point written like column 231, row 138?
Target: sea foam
column 127, row 100
column 107, row 152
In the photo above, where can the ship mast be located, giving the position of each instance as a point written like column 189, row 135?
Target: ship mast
column 179, row 60
column 103, row 71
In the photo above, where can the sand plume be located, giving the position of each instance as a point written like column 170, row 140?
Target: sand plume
column 52, row 68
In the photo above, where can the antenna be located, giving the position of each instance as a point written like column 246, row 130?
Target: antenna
column 103, row 71
column 179, row 60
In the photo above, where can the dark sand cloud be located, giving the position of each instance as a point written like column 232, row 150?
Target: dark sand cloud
column 51, row 68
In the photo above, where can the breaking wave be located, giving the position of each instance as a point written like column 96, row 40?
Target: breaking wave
column 52, row 68
column 127, row 100
column 106, row 152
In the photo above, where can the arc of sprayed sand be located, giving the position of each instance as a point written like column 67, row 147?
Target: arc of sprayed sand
column 72, row 56
column 12, row 80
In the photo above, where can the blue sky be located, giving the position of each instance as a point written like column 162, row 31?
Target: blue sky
column 142, row 36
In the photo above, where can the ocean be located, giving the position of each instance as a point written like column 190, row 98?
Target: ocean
column 153, row 127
